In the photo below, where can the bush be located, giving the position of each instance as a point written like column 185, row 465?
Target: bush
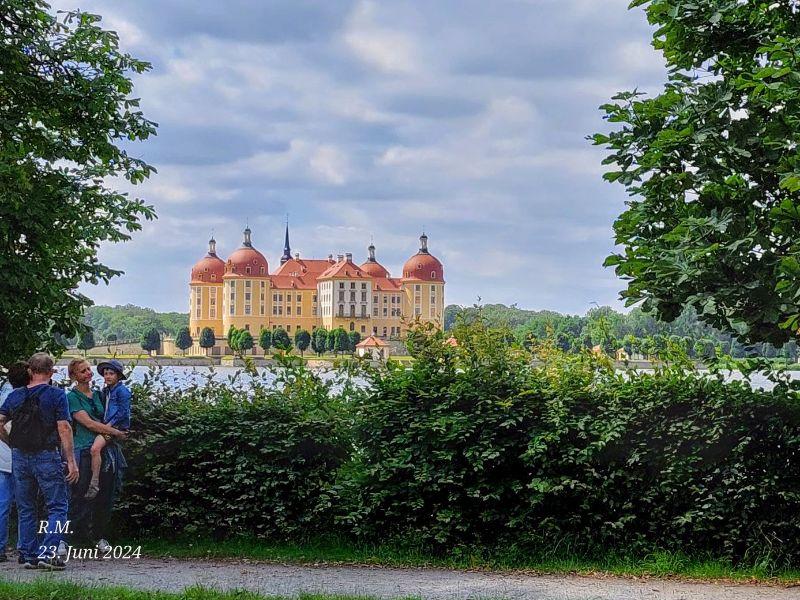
column 476, row 445
column 224, row 460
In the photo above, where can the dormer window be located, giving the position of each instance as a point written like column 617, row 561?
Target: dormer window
column 213, row 277
column 247, row 270
column 262, row 270
column 433, row 274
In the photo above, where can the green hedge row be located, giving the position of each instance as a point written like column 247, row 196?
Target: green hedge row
column 474, row 446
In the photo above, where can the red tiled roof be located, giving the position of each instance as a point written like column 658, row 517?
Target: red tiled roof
column 207, row 266
column 385, row 284
column 374, row 268
column 237, row 263
column 343, row 269
column 371, row 342
column 423, row 267
column 288, row 282
column 303, row 266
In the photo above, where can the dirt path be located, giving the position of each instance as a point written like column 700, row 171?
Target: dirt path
column 174, row 575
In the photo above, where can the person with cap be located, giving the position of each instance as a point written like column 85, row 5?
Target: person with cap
column 117, row 415
column 88, row 518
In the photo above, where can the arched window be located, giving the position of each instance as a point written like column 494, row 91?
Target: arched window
column 352, row 326
column 247, row 270
column 433, row 274
column 262, row 270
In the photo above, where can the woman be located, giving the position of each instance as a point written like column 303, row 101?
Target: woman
column 89, row 518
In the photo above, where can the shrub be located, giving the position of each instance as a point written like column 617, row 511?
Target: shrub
column 226, row 460
column 476, row 445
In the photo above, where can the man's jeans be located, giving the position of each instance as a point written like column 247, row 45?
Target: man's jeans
column 6, row 499
column 44, row 471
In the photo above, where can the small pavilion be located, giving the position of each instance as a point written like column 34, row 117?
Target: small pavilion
column 373, row 348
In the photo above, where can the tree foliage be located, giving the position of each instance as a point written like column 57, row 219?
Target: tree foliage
column 302, row 339
column 183, row 340
column 281, row 340
column 207, row 338
column 713, row 167
column 65, row 110
column 245, row 340
column 86, row 341
column 265, row 340
column 319, row 340
column 151, row 340
column 353, row 338
column 129, row 322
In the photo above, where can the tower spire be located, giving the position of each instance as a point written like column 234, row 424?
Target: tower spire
column 287, row 250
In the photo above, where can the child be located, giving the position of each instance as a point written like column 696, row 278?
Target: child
column 117, row 399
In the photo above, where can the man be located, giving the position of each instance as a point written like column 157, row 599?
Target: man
column 39, row 416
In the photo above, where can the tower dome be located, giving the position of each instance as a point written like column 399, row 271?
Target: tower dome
column 246, row 261
column 210, row 268
column 423, row 266
column 372, row 267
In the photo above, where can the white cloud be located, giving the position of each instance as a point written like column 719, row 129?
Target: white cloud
column 388, row 50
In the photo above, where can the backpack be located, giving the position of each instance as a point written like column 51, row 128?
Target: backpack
column 28, row 431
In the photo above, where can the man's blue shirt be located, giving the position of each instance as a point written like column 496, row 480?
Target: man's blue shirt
column 52, row 404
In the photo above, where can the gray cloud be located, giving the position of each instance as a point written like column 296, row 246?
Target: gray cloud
column 375, row 119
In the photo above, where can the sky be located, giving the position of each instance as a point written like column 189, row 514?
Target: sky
column 366, row 120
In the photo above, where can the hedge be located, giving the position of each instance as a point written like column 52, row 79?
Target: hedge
column 475, row 445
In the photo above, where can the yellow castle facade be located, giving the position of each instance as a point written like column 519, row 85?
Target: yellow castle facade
column 309, row 293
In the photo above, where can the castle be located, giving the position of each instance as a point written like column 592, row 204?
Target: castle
column 310, row 293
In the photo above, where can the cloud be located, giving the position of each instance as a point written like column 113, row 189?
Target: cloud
column 373, row 120
column 388, row 50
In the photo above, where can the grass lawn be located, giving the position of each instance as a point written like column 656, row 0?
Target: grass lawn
column 54, row 590
column 656, row 564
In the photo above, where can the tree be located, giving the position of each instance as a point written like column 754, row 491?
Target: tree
column 86, row 341
column 65, row 112
column 280, row 339
column 233, row 338
column 265, row 340
column 319, row 340
column 111, row 337
column 330, row 342
column 302, row 339
column 353, row 339
column 184, row 340
column 244, row 341
column 207, row 338
column 713, row 169
column 342, row 341
column 151, row 340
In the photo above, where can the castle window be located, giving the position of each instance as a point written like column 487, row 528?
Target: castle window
column 352, row 285
column 374, row 311
column 433, row 274
column 299, row 310
column 363, row 286
column 263, row 270
column 363, row 329
column 247, row 326
column 213, row 277
column 288, row 310
column 384, row 332
column 352, row 326
column 247, row 284
column 341, row 285
column 374, row 299
column 247, row 270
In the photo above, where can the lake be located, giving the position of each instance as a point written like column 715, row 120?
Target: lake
column 183, row 377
